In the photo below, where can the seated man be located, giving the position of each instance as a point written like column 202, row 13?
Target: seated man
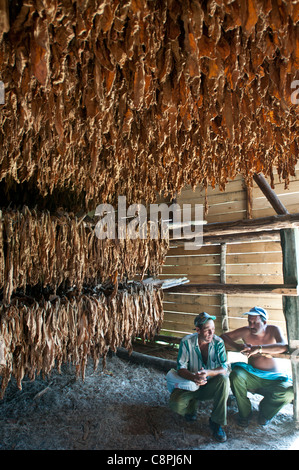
column 261, row 374
column 201, row 375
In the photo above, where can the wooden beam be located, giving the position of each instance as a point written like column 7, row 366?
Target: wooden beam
column 275, row 222
column 269, row 193
column 146, row 360
column 279, row 289
column 269, row 235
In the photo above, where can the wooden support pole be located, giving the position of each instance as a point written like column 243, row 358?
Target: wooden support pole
column 248, row 201
column 290, row 252
column 269, row 193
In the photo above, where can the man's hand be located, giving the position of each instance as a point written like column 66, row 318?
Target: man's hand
column 200, row 378
column 250, row 350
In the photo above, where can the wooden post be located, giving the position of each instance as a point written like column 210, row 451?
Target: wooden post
column 248, row 189
column 290, row 251
column 270, row 194
column 223, row 305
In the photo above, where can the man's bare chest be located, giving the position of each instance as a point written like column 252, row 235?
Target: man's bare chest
column 204, row 353
column 265, row 338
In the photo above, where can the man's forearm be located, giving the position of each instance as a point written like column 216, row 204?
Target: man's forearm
column 217, row 371
column 186, row 374
column 276, row 348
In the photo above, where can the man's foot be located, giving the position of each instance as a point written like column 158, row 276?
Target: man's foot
column 218, row 432
column 243, row 422
column 190, row 417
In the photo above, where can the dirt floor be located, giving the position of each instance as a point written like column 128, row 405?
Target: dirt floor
column 124, row 407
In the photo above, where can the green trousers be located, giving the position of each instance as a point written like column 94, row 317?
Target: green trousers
column 275, row 392
column 217, row 389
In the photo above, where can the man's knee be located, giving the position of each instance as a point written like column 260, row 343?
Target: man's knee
column 236, row 375
column 222, row 381
column 289, row 395
column 181, row 400
column 283, row 394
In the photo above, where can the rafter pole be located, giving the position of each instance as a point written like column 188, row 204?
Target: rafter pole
column 274, row 222
column 270, row 194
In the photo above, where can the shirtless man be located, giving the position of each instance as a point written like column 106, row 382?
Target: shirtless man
column 261, row 374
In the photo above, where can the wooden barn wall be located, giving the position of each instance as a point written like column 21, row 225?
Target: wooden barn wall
column 256, row 262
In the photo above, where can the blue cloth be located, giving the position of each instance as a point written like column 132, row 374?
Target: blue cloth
column 263, row 374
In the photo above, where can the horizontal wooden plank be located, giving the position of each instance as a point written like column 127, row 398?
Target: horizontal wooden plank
column 262, row 204
column 266, row 257
column 175, row 334
column 254, row 247
column 254, row 268
column 203, row 251
column 191, row 260
column 245, row 302
column 187, row 329
column 188, row 308
column 268, row 211
column 232, row 186
column 226, row 217
column 233, row 248
column 254, row 279
column 196, row 308
column 192, row 299
column 235, row 203
column 188, row 318
column 184, row 323
column 192, row 270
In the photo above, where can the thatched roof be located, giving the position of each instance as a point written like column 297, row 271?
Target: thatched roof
column 137, row 96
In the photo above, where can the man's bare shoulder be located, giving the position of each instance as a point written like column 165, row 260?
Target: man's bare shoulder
column 239, row 333
column 275, row 332
column 272, row 328
column 245, row 331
